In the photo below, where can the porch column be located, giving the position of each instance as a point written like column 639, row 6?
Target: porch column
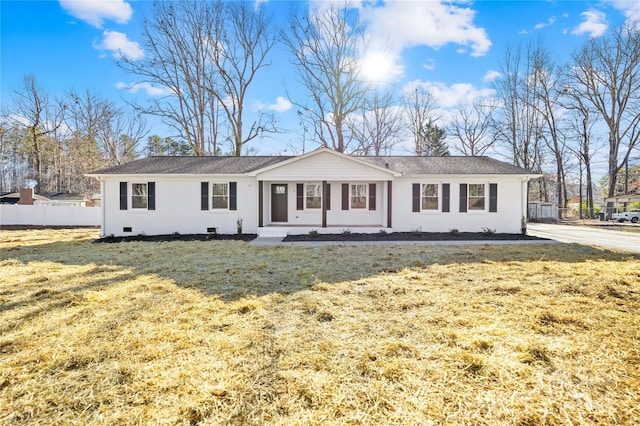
column 260, row 204
column 389, row 204
column 324, row 203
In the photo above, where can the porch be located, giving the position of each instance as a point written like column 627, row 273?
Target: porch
column 281, row 231
column 327, row 207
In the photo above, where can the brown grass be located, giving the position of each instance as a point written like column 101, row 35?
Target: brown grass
column 225, row 333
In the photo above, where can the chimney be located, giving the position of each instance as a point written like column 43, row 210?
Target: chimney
column 26, row 197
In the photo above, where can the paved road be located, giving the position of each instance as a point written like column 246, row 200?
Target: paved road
column 589, row 236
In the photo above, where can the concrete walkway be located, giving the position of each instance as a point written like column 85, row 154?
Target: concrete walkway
column 606, row 238
column 273, row 241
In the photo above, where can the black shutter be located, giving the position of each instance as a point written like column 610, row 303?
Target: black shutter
column 493, row 197
column 416, row 197
column 233, row 195
column 299, row 196
column 327, row 196
column 446, row 198
column 463, row 197
column 123, row 195
column 372, row 196
column 204, row 195
column 151, row 201
column 345, row 196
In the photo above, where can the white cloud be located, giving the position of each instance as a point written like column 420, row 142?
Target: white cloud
column 95, row 12
column 281, row 105
column 430, row 64
column 630, row 8
column 491, row 75
column 258, row 3
column 120, row 45
column 595, row 24
column 448, row 97
column 431, row 23
column 549, row 22
column 146, row 87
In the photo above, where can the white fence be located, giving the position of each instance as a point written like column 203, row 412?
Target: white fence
column 14, row 214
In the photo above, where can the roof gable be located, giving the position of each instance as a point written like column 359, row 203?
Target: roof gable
column 322, row 163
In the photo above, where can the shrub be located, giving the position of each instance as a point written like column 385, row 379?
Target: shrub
column 488, row 232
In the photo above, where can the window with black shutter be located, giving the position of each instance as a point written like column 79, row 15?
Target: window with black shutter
column 345, row 196
column 416, row 198
column 372, row 196
column 493, row 197
column 299, row 196
column 446, row 197
column 233, row 195
column 151, row 188
column 123, row 195
column 204, row 195
column 463, row 198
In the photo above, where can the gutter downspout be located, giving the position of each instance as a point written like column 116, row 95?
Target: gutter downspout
column 102, row 207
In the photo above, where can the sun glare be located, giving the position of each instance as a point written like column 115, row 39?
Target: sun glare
column 377, row 67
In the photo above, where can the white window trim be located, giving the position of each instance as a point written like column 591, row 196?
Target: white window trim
column 439, row 209
column 486, row 198
column 139, row 209
column 366, row 197
column 213, row 209
column 306, row 207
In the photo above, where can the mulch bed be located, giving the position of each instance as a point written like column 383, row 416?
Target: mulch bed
column 177, row 237
column 413, row 236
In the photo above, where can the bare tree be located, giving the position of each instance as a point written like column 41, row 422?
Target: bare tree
column 206, row 55
column 116, row 130
column 325, row 47
column 378, row 128
column 518, row 122
column 606, row 74
column 243, row 40
column 428, row 138
column 41, row 117
column 544, row 79
column 473, row 125
column 579, row 126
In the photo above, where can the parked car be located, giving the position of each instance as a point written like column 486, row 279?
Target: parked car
column 631, row 215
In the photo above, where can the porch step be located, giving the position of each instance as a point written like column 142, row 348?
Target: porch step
column 272, row 232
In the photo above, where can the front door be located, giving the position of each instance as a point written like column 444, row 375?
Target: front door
column 279, row 202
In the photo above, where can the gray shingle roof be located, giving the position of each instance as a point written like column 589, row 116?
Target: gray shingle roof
column 446, row 165
column 239, row 165
column 191, row 165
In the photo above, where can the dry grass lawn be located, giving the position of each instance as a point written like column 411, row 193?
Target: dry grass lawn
column 226, row 333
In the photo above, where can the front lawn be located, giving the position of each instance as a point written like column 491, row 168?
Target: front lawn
column 220, row 332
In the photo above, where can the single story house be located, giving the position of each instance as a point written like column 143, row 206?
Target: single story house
column 322, row 190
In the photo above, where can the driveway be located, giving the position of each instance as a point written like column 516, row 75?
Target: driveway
column 589, row 236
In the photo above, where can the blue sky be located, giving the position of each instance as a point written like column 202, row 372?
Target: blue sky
column 453, row 47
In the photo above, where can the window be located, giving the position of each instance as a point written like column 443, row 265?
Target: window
column 223, row 196
column 220, row 196
column 429, row 196
column 139, row 196
column 313, row 196
column 476, row 196
column 359, row 196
